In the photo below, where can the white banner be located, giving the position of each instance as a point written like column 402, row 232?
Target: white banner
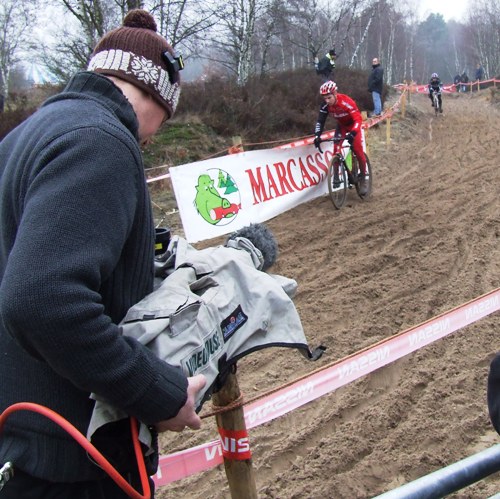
column 220, row 195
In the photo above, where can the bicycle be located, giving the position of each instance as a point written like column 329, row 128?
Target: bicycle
column 435, row 101
column 343, row 173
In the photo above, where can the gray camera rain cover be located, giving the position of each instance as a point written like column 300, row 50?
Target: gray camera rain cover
column 213, row 307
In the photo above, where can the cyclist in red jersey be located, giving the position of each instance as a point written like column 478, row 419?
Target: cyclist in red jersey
column 349, row 121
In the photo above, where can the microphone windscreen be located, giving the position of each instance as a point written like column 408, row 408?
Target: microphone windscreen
column 262, row 238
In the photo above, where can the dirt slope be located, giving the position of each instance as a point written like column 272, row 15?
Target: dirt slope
column 427, row 241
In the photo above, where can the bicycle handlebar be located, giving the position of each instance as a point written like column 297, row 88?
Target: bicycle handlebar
column 332, row 139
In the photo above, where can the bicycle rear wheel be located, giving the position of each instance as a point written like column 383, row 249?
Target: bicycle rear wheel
column 368, row 176
column 337, row 182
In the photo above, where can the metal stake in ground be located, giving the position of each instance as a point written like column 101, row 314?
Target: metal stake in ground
column 234, row 439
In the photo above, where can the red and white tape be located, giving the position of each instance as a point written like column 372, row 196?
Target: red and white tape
column 188, row 462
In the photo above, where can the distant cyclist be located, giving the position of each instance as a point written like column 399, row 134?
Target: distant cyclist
column 349, row 122
column 435, row 85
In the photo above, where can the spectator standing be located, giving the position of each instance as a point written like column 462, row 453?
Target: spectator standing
column 77, row 251
column 464, row 79
column 456, row 82
column 479, row 72
column 479, row 75
column 326, row 65
column 375, row 86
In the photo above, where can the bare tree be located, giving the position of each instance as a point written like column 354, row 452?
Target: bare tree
column 248, row 37
column 362, row 39
column 269, row 31
column 318, row 27
column 17, row 18
column 484, row 26
column 126, row 5
column 184, row 22
column 233, row 40
column 84, row 22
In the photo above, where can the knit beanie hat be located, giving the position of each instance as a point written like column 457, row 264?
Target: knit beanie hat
column 135, row 52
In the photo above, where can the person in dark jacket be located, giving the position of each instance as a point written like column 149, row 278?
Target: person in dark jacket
column 464, row 79
column 76, row 252
column 456, row 82
column 326, row 65
column 479, row 75
column 376, row 85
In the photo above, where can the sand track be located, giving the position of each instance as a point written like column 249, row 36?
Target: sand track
column 427, row 241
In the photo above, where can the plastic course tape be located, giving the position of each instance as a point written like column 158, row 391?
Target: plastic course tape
column 184, row 463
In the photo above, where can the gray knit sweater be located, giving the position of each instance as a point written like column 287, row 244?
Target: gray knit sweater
column 76, row 252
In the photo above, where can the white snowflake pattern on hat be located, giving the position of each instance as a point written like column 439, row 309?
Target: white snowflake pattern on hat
column 141, row 69
column 144, row 69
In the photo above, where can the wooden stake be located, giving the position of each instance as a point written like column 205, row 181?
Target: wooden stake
column 239, row 473
column 237, row 142
column 388, row 131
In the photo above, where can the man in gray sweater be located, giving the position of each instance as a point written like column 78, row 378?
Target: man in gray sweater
column 76, row 252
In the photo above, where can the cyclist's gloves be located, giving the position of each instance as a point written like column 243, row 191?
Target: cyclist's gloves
column 317, row 142
column 350, row 137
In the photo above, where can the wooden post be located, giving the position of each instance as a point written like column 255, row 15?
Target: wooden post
column 237, row 142
column 403, row 103
column 233, row 431
column 388, row 131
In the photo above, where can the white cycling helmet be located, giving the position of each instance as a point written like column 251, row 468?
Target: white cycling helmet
column 434, row 75
column 328, row 88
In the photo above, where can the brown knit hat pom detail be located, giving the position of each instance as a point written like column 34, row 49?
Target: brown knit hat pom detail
column 138, row 18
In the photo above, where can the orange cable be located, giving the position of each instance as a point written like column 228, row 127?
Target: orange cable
column 94, row 453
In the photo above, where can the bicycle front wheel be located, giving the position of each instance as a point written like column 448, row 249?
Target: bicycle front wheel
column 337, row 182
column 368, row 177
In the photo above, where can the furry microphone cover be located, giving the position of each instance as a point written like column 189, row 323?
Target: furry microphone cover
column 262, row 238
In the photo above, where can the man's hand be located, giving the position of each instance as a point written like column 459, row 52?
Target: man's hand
column 317, row 142
column 187, row 415
column 350, row 137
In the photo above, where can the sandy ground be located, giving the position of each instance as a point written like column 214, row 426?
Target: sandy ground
column 427, row 241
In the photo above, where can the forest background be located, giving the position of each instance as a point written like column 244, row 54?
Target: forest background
column 244, row 39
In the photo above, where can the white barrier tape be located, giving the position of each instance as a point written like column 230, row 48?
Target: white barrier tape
column 424, row 89
column 161, row 177
column 187, row 462
column 309, row 140
column 449, row 88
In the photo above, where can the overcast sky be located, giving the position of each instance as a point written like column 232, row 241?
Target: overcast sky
column 450, row 9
